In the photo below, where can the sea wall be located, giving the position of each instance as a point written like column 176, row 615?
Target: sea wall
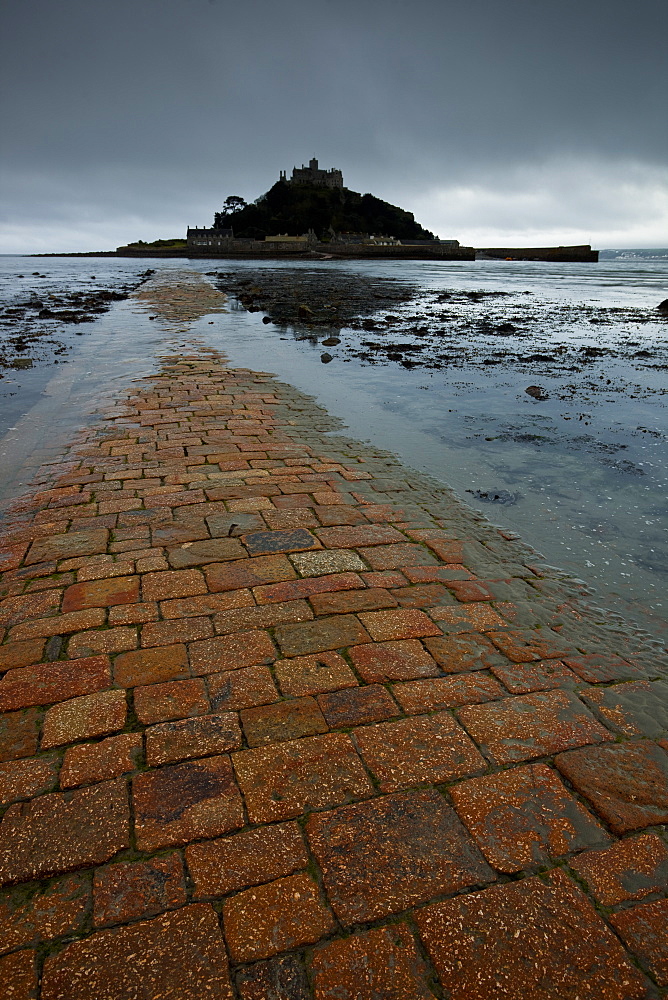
column 557, row 254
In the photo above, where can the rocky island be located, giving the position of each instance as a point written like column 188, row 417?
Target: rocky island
column 312, row 214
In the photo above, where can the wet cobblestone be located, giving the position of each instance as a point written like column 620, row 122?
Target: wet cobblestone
column 261, row 686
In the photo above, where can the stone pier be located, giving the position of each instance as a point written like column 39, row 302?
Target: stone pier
column 283, row 720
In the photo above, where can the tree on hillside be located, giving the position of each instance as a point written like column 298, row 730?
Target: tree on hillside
column 233, row 203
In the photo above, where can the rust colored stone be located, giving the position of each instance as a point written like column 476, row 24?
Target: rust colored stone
column 357, row 706
column 59, row 832
column 397, row 556
column 62, row 624
column 179, row 954
column 65, row 546
column 302, row 675
column 53, row 682
column 285, row 720
column 423, row 595
column 281, row 978
column 400, row 623
column 527, row 940
column 104, row 570
column 382, row 856
column 230, row 652
column 414, row 751
column 296, row 589
column 101, row 593
column 352, row 601
column 12, row 555
column 80, row 718
column 531, row 725
column 14, row 610
column 447, row 550
column 644, row 930
column 638, row 708
column 281, row 781
column 182, row 497
column 245, row 688
column 89, row 763
column 172, row 583
column 325, row 633
column 537, row 675
column 294, row 502
column 150, row 666
column 133, row 614
column 383, row 962
column 627, row 783
column 446, row 692
column 249, row 504
column 524, row 817
column 430, row 574
column 190, row 738
column 463, row 653
column 264, row 616
column 18, row 975
column 47, row 912
column 630, row 869
column 599, row 668
column 471, row 590
column 19, row 732
column 395, row 660
column 353, row 537
column 21, row 654
column 384, row 578
column 248, row 572
column 208, row 550
column 166, row 633
column 104, row 641
column 206, row 604
column 522, row 647
column 244, row 859
column 123, row 892
column 280, row 916
column 473, row 617
column 279, row 520
column 21, row 779
column 171, row 700
column 186, row 802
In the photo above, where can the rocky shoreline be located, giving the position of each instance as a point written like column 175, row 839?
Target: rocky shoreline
column 30, row 324
column 392, row 321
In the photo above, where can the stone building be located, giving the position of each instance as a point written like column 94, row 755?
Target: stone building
column 314, row 175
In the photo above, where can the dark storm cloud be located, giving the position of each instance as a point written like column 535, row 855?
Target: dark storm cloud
column 133, row 118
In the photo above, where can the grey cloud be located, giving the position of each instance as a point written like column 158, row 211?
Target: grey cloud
column 152, row 111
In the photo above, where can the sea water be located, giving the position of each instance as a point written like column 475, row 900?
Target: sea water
column 582, row 475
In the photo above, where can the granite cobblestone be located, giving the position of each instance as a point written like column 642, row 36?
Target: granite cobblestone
column 261, row 686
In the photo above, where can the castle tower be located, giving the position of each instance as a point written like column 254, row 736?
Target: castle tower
column 313, row 174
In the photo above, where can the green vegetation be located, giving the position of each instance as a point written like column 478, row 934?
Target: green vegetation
column 296, row 208
column 157, row 245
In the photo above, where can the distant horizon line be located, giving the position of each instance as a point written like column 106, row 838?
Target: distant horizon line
column 28, row 253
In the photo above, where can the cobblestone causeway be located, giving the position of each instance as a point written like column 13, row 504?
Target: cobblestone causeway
column 284, row 719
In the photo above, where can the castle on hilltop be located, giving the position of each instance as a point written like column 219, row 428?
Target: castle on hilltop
column 314, row 175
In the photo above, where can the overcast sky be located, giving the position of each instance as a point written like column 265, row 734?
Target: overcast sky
column 497, row 122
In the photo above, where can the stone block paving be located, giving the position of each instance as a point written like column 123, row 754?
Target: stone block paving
column 283, row 720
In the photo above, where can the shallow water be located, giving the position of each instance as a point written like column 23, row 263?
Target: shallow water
column 586, row 469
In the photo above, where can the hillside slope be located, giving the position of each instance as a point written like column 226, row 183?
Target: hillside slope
column 296, row 208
